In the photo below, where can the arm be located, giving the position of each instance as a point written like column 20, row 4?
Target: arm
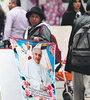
column 45, row 34
column 8, row 26
column 7, row 31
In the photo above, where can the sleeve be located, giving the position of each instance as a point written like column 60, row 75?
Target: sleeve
column 45, row 34
column 8, row 26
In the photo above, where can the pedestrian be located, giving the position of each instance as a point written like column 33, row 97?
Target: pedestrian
column 80, row 72
column 16, row 22
column 39, row 30
column 35, row 18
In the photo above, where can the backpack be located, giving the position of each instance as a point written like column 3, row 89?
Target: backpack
column 58, row 52
column 80, row 49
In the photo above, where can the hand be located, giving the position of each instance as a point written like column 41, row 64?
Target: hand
column 42, row 87
column 8, row 46
column 36, row 39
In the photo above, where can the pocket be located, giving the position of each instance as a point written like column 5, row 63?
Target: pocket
column 80, row 58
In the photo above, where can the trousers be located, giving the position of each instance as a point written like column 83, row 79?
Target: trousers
column 81, row 86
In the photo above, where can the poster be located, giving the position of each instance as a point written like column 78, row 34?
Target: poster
column 35, row 63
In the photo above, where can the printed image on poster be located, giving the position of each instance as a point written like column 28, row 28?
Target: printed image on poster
column 35, row 63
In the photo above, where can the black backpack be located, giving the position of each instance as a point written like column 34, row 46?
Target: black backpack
column 80, row 49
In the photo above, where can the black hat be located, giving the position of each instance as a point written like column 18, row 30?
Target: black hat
column 36, row 10
column 88, row 5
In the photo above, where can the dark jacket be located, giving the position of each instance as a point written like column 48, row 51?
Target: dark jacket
column 70, row 15
column 44, row 35
column 76, row 26
column 68, row 18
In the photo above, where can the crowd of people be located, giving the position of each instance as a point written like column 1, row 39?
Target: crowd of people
column 23, row 24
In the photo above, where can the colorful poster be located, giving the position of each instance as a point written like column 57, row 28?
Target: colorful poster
column 35, row 63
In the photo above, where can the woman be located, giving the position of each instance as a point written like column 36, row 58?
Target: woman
column 74, row 10
column 35, row 17
column 39, row 31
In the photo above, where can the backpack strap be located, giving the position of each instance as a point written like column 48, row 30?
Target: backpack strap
column 42, row 27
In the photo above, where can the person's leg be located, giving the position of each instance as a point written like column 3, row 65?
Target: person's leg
column 78, row 86
column 87, row 86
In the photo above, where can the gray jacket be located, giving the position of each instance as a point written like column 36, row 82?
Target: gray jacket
column 44, row 35
column 83, row 20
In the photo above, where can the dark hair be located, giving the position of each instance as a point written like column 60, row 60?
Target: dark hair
column 88, row 5
column 71, row 8
column 17, row 2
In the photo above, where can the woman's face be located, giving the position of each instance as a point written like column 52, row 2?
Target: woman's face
column 34, row 20
column 77, row 5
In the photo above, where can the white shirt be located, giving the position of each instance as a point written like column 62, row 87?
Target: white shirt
column 16, row 23
column 36, row 74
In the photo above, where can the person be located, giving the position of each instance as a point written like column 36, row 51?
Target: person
column 39, row 31
column 35, row 73
column 16, row 21
column 80, row 74
column 74, row 10
column 2, row 22
column 35, row 18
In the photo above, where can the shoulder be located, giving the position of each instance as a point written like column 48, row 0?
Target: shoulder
column 83, row 19
column 28, row 63
column 12, row 12
column 68, row 16
column 67, row 13
column 45, row 27
column 42, row 67
column 20, row 9
column 16, row 10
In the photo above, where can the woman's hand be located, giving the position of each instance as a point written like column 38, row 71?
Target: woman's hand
column 36, row 39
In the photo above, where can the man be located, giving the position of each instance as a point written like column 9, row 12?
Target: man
column 16, row 21
column 35, row 73
column 80, row 74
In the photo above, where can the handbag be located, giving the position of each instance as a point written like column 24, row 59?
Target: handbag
column 80, row 57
